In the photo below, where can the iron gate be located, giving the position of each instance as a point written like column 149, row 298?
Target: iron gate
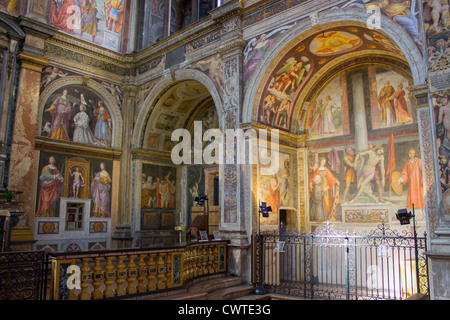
column 331, row 264
column 23, row 275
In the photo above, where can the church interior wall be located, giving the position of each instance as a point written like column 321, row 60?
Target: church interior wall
column 152, row 78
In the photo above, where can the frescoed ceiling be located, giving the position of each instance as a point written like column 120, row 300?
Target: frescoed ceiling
column 175, row 109
column 304, row 62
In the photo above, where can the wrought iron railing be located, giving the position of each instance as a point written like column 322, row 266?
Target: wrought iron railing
column 331, row 264
column 23, row 275
column 124, row 273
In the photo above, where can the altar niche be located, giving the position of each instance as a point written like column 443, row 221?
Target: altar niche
column 75, row 213
column 376, row 169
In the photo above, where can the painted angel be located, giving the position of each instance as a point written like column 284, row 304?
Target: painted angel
column 291, row 75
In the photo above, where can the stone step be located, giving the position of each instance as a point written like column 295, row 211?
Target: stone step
column 269, row 296
column 231, row 293
column 215, row 287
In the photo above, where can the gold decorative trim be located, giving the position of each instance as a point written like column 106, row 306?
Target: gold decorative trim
column 71, row 148
column 31, row 62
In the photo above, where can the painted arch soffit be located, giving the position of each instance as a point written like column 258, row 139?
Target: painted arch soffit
column 340, row 67
column 172, row 103
column 92, row 92
column 175, row 106
column 309, row 58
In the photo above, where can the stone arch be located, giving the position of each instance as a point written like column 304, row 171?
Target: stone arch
column 332, row 18
column 110, row 101
column 168, row 81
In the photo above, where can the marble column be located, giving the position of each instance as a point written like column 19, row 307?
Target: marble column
column 24, row 160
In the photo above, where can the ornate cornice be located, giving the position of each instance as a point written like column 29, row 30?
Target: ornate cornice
column 59, row 146
column 31, row 62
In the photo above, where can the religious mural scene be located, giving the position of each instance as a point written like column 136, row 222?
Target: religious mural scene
column 306, row 59
column 74, row 178
column 77, row 114
column 98, row 21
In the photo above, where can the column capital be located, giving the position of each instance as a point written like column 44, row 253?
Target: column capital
column 32, row 62
column 130, row 90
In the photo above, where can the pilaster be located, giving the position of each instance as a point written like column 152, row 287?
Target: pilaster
column 124, row 228
column 23, row 167
column 235, row 202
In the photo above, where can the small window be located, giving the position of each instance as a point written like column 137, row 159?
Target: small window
column 216, row 191
column 74, row 216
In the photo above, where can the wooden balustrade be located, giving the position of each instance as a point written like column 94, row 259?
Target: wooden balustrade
column 119, row 273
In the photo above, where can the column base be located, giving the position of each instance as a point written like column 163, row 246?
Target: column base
column 122, row 237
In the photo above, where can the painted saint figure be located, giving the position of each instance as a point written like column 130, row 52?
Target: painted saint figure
column 103, row 123
column 51, row 182
column 89, row 20
column 100, row 188
column 401, row 107
column 317, row 120
column 372, row 171
column 274, row 194
column 114, row 13
column 387, row 110
column 328, row 183
column 412, row 173
column 60, row 111
column 328, row 123
column 444, row 121
column 350, row 172
column 78, row 181
column 63, row 15
column 317, row 204
column 82, row 132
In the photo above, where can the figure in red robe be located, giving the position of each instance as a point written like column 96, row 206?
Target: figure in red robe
column 51, row 186
column 401, row 109
column 412, row 173
column 63, row 19
column 328, row 182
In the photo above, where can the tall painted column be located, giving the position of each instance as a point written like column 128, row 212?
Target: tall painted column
column 123, row 233
column 434, row 125
column 234, row 213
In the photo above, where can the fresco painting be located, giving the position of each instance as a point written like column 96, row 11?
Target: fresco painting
column 326, row 112
column 405, row 13
column 385, row 172
column 77, row 114
column 277, row 191
column 76, row 179
column 441, row 103
column 158, row 187
column 310, row 56
column 393, row 100
column 98, row 21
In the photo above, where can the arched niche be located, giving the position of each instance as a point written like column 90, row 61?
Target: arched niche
column 404, row 49
column 92, row 95
column 153, row 106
